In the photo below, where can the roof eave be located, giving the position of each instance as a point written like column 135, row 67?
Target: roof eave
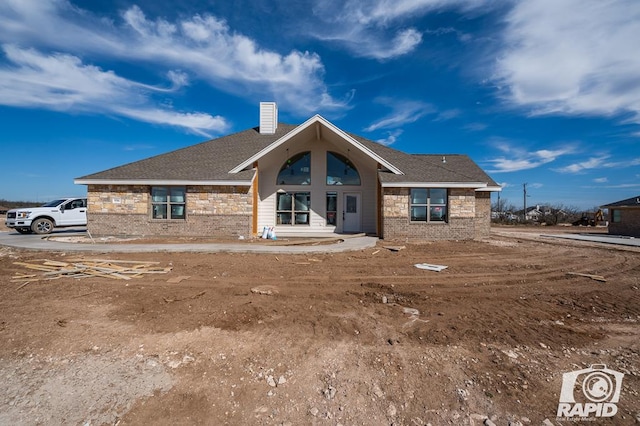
column 471, row 185
column 490, row 188
column 182, row 182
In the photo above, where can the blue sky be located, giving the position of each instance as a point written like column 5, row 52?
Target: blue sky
column 542, row 92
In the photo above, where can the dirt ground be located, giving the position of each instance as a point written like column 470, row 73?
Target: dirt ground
column 360, row 338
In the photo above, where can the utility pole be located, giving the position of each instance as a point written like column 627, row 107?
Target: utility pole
column 524, row 213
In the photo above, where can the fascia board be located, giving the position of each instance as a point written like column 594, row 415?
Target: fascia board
column 162, row 182
column 316, row 119
column 490, row 189
column 472, row 185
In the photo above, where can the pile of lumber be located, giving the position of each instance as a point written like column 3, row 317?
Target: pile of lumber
column 83, row 268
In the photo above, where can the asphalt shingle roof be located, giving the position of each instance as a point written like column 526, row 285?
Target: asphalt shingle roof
column 207, row 161
column 212, row 160
column 629, row 202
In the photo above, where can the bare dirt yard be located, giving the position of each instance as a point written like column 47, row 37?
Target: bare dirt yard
column 359, row 338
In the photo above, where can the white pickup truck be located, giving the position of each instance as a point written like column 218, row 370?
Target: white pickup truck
column 55, row 214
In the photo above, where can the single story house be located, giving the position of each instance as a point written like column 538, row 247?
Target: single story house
column 313, row 179
column 624, row 217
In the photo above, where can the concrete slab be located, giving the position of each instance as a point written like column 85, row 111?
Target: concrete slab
column 38, row 242
column 598, row 238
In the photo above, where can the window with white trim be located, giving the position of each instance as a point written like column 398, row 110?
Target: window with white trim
column 293, row 208
column 428, row 205
column 168, row 202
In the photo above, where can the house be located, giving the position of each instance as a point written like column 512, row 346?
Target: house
column 312, row 179
column 624, row 217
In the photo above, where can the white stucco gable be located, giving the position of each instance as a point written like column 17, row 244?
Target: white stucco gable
column 322, row 129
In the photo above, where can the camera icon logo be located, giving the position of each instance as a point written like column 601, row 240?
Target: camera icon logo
column 590, row 391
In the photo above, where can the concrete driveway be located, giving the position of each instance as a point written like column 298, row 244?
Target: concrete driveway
column 48, row 242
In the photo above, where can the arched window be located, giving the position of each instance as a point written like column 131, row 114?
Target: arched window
column 340, row 170
column 296, row 170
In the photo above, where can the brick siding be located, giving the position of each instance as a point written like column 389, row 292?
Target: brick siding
column 468, row 217
column 629, row 224
column 211, row 211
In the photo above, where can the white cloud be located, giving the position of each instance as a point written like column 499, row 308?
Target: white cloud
column 402, row 112
column 369, row 28
column 381, row 12
column 591, row 163
column 601, row 180
column 475, row 127
column 392, row 137
column 519, row 159
column 573, row 57
column 62, row 82
column 599, row 162
column 203, row 46
column 448, row 114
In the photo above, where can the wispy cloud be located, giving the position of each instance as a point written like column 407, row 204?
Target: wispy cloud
column 204, row 47
column 62, row 82
column 601, row 180
column 599, row 162
column 475, row 127
column 516, row 159
column 591, row 163
column 447, row 114
column 378, row 29
column 392, row 137
column 573, row 57
column 402, row 112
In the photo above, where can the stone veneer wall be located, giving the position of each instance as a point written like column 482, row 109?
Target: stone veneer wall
column 483, row 215
column 464, row 220
column 629, row 224
column 211, row 211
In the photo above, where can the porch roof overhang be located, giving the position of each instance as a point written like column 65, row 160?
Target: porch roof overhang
column 316, row 124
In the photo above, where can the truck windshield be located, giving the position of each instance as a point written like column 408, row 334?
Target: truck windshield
column 53, row 203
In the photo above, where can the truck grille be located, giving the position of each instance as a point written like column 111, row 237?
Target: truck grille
column 11, row 215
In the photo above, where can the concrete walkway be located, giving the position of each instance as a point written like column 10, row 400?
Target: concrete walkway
column 598, row 238
column 39, row 242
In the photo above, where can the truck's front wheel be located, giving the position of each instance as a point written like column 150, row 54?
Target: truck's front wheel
column 42, row 226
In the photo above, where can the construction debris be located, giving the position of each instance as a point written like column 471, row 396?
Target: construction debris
column 83, row 268
column 394, row 248
column 430, row 267
column 593, row 277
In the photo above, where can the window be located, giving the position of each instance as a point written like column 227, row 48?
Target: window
column 616, row 216
column 75, row 204
column 428, row 205
column 168, row 202
column 340, row 171
column 332, row 208
column 296, row 170
column 293, row 208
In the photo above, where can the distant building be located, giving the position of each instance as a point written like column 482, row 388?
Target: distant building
column 624, row 217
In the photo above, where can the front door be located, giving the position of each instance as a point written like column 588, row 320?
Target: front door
column 351, row 216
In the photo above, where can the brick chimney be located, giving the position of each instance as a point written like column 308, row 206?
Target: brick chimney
column 268, row 118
